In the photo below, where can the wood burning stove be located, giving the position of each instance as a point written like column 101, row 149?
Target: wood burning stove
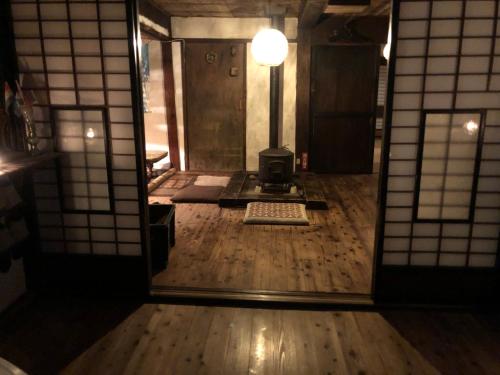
column 276, row 169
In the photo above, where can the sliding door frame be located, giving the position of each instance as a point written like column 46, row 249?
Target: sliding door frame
column 427, row 285
column 134, row 38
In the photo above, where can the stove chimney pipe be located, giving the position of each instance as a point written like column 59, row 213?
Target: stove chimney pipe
column 277, row 22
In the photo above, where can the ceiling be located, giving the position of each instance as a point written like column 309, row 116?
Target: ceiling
column 374, row 8
column 261, row 8
column 228, row 8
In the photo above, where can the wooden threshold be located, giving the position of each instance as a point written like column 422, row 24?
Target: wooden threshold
column 264, row 296
column 292, row 300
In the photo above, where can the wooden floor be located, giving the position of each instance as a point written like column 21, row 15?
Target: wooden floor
column 214, row 249
column 92, row 337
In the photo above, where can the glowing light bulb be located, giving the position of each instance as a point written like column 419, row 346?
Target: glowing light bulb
column 269, row 47
column 387, row 51
column 90, row 133
column 387, row 48
column 471, row 127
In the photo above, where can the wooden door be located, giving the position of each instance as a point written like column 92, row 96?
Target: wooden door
column 343, row 108
column 215, row 105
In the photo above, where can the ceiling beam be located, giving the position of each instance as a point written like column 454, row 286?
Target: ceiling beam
column 311, row 11
column 380, row 8
column 154, row 13
column 384, row 8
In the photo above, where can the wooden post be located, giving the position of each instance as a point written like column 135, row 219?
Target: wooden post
column 168, row 77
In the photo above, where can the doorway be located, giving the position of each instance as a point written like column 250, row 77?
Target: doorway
column 343, row 108
column 215, row 105
column 215, row 253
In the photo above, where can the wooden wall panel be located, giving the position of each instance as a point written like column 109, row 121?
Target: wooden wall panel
column 374, row 28
column 257, row 121
column 215, row 116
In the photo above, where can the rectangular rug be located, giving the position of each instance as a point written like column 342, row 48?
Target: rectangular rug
column 198, row 194
column 212, row 181
column 276, row 213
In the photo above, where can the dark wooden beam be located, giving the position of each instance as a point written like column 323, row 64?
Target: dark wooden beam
column 303, row 87
column 148, row 33
column 379, row 8
column 358, row 8
column 154, row 13
column 310, row 12
column 349, row 2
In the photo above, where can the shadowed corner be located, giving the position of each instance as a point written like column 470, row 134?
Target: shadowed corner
column 452, row 342
column 43, row 334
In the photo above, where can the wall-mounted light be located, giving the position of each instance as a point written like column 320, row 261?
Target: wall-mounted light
column 471, row 127
column 90, row 133
column 269, row 47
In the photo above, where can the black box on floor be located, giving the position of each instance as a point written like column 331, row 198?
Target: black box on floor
column 162, row 233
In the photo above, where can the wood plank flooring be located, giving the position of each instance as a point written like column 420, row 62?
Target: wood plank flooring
column 218, row 340
column 214, row 249
column 81, row 336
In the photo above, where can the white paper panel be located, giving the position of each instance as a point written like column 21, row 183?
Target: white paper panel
column 126, row 192
column 475, row 90
column 83, row 11
column 423, row 259
column 447, row 9
column 438, row 83
column 409, row 10
column 425, row 244
column 101, row 248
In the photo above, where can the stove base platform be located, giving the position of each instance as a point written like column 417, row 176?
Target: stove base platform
column 244, row 187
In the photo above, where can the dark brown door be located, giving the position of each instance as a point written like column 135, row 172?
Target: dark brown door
column 215, row 104
column 343, row 108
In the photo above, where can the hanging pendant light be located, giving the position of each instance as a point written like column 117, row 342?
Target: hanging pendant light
column 269, row 47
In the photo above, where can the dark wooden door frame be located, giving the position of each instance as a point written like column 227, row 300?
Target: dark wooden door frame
column 311, row 109
column 317, row 302
column 169, row 93
column 184, row 92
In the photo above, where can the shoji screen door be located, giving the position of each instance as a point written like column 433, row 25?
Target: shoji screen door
column 440, row 202
column 74, row 56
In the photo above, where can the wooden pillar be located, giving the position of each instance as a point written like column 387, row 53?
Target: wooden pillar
column 168, row 81
column 303, row 86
